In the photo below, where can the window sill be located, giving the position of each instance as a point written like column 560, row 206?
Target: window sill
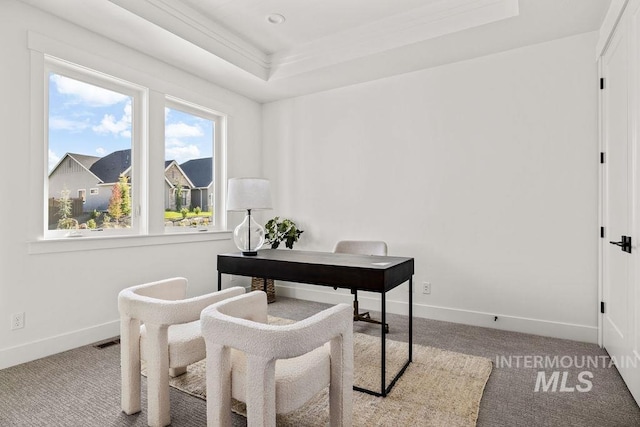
column 115, row 242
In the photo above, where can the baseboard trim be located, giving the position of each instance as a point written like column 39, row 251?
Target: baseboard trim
column 52, row 345
column 475, row 318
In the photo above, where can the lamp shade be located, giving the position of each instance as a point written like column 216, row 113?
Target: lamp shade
column 248, row 193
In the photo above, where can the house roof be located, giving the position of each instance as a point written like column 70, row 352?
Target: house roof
column 167, row 166
column 199, row 171
column 84, row 160
column 109, row 168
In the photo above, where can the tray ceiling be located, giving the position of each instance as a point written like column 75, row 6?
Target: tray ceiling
column 323, row 44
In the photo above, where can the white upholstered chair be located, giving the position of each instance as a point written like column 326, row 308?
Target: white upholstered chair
column 362, row 247
column 275, row 368
column 168, row 340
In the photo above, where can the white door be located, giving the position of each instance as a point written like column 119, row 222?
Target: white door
column 619, row 291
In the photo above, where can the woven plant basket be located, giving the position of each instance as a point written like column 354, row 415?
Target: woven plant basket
column 257, row 284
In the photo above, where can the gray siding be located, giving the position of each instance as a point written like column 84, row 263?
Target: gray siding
column 72, row 176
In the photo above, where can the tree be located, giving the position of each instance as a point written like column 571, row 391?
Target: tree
column 115, row 202
column 126, row 195
column 178, row 194
column 65, row 210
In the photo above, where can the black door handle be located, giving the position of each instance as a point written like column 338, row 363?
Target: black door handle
column 625, row 244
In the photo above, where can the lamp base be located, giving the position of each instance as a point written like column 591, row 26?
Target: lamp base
column 249, row 236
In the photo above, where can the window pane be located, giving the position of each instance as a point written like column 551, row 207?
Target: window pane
column 188, row 184
column 89, row 147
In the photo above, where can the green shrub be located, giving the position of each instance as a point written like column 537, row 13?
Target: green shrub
column 184, row 212
column 67, row 224
column 197, row 210
column 91, row 224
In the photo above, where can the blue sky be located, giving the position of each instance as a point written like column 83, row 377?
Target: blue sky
column 90, row 120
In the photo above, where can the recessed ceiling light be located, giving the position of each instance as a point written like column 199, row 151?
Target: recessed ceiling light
column 276, row 18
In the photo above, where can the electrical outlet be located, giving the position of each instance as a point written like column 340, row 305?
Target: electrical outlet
column 17, row 321
column 426, row 288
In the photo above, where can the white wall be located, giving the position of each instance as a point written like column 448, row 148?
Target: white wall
column 484, row 171
column 70, row 298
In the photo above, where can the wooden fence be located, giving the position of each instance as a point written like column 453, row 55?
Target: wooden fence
column 76, row 209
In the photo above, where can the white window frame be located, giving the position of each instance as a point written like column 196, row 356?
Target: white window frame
column 151, row 228
column 138, row 95
column 218, row 219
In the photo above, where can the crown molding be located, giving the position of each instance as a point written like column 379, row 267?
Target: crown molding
column 433, row 20
column 190, row 25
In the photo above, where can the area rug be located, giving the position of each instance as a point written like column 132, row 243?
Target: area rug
column 439, row 388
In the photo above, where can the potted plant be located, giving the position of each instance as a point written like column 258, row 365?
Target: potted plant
column 276, row 231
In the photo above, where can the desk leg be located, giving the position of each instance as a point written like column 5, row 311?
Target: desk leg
column 411, row 319
column 386, row 390
column 383, row 334
column 219, row 281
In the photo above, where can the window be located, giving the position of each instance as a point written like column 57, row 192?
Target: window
column 97, row 137
column 189, row 147
column 90, row 143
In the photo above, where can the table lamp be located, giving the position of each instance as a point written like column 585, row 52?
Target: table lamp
column 248, row 194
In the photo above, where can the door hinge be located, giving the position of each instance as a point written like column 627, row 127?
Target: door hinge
column 602, row 307
column 602, row 157
column 602, row 232
column 601, row 83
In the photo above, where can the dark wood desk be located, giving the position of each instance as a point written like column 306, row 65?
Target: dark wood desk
column 360, row 272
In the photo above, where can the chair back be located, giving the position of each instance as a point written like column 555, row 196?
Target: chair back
column 305, row 362
column 361, row 247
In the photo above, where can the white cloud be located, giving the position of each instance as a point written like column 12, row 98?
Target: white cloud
column 100, row 151
column 53, row 159
column 177, row 150
column 86, row 93
column 59, row 123
column 121, row 127
column 182, row 130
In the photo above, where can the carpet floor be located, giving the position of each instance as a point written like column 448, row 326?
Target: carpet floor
column 439, row 387
column 81, row 387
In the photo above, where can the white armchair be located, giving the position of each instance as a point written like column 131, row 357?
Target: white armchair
column 168, row 340
column 275, row 368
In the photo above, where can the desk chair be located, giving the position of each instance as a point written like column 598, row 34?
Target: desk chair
column 362, row 247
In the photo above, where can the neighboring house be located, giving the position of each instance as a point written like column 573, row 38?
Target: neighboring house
column 200, row 173
column 73, row 173
column 92, row 178
column 176, row 180
column 88, row 177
